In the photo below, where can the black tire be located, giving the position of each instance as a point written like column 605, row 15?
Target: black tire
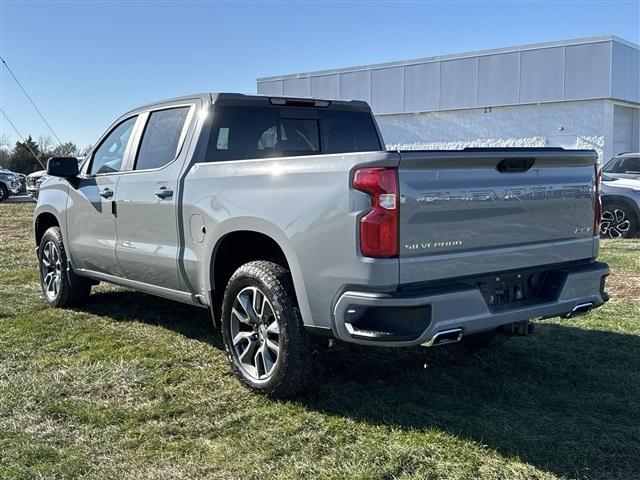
column 60, row 286
column 4, row 192
column 618, row 221
column 291, row 372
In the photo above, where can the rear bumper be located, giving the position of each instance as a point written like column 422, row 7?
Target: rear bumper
column 427, row 312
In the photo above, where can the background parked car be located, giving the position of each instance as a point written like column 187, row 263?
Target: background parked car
column 9, row 184
column 33, row 182
column 621, row 196
column 36, row 178
column 22, row 183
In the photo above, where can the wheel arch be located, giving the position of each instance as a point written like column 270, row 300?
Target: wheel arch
column 240, row 244
column 43, row 221
column 238, row 247
column 633, row 207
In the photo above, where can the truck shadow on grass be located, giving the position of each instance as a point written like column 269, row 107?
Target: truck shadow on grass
column 566, row 400
column 130, row 306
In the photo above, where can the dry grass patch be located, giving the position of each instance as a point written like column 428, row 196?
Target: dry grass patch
column 624, row 286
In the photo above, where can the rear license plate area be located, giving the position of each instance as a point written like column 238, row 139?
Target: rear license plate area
column 512, row 288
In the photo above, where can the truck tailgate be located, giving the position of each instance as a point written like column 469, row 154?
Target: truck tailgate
column 480, row 211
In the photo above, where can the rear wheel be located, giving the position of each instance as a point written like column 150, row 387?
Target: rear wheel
column 60, row 286
column 618, row 221
column 265, row 340
column 4, row 192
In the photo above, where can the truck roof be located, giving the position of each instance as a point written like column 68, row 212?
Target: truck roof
column 228, row 98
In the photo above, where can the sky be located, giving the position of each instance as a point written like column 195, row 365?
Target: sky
column 85, row 63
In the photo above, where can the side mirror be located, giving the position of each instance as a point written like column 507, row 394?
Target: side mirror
column 62, row 167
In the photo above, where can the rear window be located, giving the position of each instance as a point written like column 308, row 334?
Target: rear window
column 260, row 132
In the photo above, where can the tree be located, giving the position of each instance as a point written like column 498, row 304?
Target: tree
column 67, row 149
column 4, row 140
column 22, row 158
column 5, row 154
column 85, row 151
column 45, row 143
column 5, row 151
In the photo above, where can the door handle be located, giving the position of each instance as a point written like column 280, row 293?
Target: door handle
column 106, row 193
column 163, row 192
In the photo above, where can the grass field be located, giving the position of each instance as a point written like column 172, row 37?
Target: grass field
column 130, row 386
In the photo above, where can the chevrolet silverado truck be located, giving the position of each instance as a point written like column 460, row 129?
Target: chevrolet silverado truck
column 290, row 221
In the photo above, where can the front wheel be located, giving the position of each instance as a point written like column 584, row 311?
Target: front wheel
column 263, row 333
column 618, row 221
column 60, row 286
column 4, row 193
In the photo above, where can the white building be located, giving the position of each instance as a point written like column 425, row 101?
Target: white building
column 581, row 93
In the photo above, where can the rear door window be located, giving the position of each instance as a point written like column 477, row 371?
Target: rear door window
column 161, row 137
column 261, row 132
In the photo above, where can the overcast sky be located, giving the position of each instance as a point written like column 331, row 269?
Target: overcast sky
column 85, row 63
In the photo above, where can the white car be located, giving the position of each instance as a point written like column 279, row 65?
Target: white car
column 621, row 196
column 33, row 182
column 36, row 178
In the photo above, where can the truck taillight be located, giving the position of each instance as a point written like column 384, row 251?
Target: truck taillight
column 598, row 204
column 379, row 227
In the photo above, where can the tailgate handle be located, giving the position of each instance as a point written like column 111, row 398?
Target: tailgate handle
column 515, row 164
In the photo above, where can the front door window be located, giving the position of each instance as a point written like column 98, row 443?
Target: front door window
column 110, row 154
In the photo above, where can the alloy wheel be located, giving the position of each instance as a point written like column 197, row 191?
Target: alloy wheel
column 615, row 223
column 51, row 270
column 255, row 334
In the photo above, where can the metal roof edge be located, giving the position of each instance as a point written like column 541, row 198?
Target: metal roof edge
column 455, row 56
column 628, row 43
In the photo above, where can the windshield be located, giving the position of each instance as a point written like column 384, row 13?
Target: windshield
column 630, row 165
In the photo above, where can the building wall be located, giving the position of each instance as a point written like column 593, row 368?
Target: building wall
column 577, row 124
column 582, row 93
column 583, row 69
column 625, row 129
column 625, row 72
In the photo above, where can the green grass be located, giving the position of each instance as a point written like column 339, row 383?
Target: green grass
column 134, row 387
column 621, row 254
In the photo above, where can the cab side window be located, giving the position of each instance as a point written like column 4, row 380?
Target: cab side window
column 160, row 141
column 632, row 165
column 110, row 154
column 623, row 165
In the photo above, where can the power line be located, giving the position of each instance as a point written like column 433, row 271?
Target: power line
column 21, row 137
column 32, row 102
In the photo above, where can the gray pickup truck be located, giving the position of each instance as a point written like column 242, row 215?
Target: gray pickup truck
column 289, row 220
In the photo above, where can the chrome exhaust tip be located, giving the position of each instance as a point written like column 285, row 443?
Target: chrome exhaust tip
column 579, row 310
column 453, row 335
